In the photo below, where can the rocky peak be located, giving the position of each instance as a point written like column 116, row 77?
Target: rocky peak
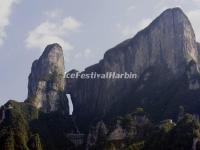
column 168, row 43
column 183, row 30
column 168, row 40
column 46, row 81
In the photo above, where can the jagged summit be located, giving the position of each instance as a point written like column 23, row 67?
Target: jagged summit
column 46, row 80
column 169, row 40
column 50, row 48
column 165, row 58
column 168, row 44
column 176, row 13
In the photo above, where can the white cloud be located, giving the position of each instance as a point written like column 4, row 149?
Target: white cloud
column 194, row 16
column 53, row 32
column 5, row 12
column 128, row 31
column 70, row 23
column 87, row 54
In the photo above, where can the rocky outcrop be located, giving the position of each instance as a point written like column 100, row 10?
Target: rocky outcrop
column 3, row 110
column 46, row 81
column 97, row 133
column 198, row 46
column 168, row 43
column 118, row 130
column 193, row 75
column 194, row 145
column 2, row 114
column 117, row 134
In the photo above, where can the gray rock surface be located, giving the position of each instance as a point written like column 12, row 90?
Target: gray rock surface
column 46, row 81
column 2, row 114
column 193, row 75
column 117, row 134
column 168, row 41
column 99, row 132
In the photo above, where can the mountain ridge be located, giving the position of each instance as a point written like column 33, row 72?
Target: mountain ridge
column 112, row 113
column 169, row 41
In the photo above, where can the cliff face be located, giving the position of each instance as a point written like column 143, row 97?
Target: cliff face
column 162, row 51
column 167, row 44
column 46, row 81
column 198, row 46
column 169, row 40
column 165, row 57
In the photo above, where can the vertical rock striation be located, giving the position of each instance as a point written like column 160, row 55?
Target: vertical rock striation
column 46, row 81
column 168, row 42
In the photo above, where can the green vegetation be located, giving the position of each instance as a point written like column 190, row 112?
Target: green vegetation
column 34, row 142
column 139, row 111
column 25, row 128
column 14, row 129
column 165, row 135
column 179, row 137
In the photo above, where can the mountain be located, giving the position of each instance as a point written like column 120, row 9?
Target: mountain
column 159, row 55
column 144, row 113
column 46, row 81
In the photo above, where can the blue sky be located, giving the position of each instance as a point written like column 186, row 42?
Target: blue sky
column 85, row 29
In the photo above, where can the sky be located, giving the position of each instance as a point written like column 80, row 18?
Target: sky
column 85, row 30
